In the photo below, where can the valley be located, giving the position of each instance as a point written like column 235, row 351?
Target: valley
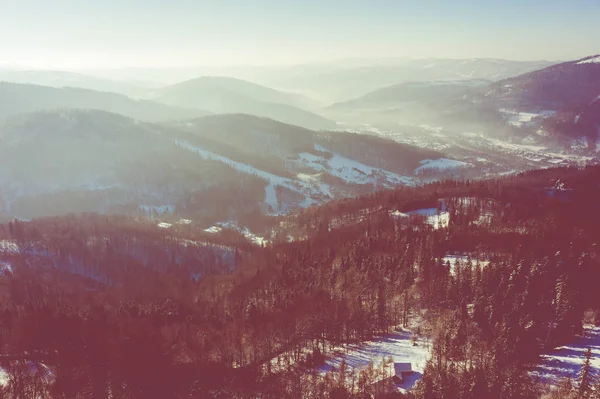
column 405, row 229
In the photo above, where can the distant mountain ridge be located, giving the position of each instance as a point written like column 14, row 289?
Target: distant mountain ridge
column 341, row 82
column 60, row 79
column 16, row 98
column 228, row 95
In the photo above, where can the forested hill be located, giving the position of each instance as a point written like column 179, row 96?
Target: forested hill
column 494, row 272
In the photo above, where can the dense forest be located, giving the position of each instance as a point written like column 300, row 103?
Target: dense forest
column 102, row 306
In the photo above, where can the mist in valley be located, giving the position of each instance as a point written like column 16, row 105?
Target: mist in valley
column 316, row 199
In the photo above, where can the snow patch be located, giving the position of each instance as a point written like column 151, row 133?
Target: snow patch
column 442, row 164
column 9, row 248
column 435, row 219
column 593, row 60
column 520, row 119
column 5, row 267
column 398, row 345
column 164, row 225
column 453, row 260
column 567, row 360
column 213, row 229
column 352, row 171
column 313, row 193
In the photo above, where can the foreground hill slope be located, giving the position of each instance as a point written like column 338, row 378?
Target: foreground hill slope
column 509, row 274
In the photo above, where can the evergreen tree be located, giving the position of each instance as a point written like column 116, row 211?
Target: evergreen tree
column 585, row 378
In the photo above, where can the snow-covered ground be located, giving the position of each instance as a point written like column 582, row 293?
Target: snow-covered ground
column 398, row 345
column 352, row 171
column 310, row 185
column 567, row 360
column 519, row 119
column 594, row 60
column 5, row 267
column 3, row 377
column 442, row 164
column 462, row 260
column 164, row 225
column 8, row 248
column 312, row 191
column 435, row 219
column 249, row 235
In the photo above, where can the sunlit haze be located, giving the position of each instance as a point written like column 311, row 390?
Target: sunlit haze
column 82, row 34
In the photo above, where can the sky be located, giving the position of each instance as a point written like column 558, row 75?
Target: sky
column 80, row 34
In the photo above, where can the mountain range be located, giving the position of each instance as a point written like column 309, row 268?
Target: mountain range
column 227, row 95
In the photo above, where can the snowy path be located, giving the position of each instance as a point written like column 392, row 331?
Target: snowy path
column 567, row 360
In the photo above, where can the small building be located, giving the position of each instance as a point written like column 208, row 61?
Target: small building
column 390, row 384
column 400, row 370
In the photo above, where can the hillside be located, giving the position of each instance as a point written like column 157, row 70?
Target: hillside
column 215, row 168
column 410, row 103
column 81, row 161
column 227, row 95
column 23, row 98
column 507, row 276
column 563, row 99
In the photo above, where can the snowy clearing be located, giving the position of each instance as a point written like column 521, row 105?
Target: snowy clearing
column 5, row 267
column 213, row 229
column 519, row 119
column 462, row 260
column 442, row 164
column 8, row 248
column 567, row 360
column 4, row 378
column 398, row 214
column 433, row 218
column 312, row 192
column 164, row 225
column 249, row 235
column 352, row 171
column 398, row 345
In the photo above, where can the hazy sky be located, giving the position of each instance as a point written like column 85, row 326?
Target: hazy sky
column 115, row 33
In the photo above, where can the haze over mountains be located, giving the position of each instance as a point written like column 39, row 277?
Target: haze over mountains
column 299, row 199
column 280, row 145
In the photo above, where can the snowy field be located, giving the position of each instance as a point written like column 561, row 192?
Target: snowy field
column 567, row 360
column 441, row 164
column 398, row 345
column 352, row 171
column 519, row 119
column 8, row 248
column 309, row 185
column 433, row 218
column 249, row 235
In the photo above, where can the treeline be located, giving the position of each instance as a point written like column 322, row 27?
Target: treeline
column 529, row 272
